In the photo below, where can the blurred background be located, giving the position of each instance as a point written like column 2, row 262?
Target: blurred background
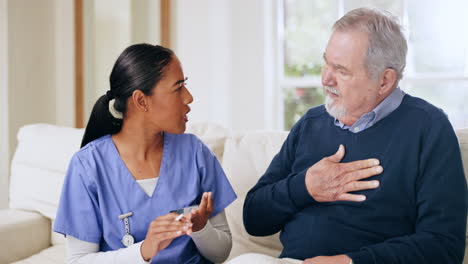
column 251, row 64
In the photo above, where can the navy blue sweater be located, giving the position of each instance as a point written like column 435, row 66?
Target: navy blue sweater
column 417, row 215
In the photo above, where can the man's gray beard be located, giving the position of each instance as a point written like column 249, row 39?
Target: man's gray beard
column 337, row 111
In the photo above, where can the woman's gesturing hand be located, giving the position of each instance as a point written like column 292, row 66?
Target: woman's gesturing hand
column 198, row 217
column 161, row 232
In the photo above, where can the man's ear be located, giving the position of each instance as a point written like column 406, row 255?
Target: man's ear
column 387, row 81
column 139, row 99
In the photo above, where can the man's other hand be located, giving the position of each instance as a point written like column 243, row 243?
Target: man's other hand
column 329, row 180
column 339, row 259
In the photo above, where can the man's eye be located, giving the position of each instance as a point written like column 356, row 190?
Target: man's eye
column 344, row 75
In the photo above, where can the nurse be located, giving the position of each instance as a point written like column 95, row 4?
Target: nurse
column 136, row 166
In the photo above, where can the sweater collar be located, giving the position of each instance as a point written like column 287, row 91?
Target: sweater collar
column 387, row 106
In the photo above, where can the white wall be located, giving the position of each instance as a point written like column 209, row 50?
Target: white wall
column 110, row 27
column 41, row 62
column 4, row 118
column 145, row 21
column 64, row 40
column 202, row 42
column 226, row 50
column 40, row 75
column 111, row 35
column 225, row 47
column 31, row 72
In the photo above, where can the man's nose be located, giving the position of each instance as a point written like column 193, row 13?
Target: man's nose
column 328, row 76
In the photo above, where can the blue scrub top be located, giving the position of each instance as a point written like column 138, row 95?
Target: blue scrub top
column 98, row 188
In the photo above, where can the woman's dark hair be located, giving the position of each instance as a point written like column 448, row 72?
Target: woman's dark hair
column 139, row 67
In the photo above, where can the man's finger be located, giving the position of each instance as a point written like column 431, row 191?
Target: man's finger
column 351, row 197
column 338, row 156
column 361, row 185
column 363, row 174
column 359, row 164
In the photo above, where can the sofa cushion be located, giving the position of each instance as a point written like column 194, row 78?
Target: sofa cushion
column 51, row 255
column 212, row 135
column 39, row 165
column 246, row 158
column 22, row 234
column 462, row 135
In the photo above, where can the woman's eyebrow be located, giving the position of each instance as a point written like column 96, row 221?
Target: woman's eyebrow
column 180, row 81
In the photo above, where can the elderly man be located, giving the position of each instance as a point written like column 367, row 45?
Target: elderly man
column 393, row 192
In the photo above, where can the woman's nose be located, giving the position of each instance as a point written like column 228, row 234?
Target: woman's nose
column 188, row 97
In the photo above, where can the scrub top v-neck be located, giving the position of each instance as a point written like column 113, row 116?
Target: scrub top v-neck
column 136, row 188
column 99, row 187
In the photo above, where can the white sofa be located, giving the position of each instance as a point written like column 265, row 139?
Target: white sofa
column 38, row 170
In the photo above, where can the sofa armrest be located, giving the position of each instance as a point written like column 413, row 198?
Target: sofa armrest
column 22, row 234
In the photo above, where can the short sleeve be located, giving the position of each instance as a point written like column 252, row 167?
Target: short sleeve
column 213, row 179
column 78, row 212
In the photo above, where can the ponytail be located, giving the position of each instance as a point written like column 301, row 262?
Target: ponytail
column 101, row 122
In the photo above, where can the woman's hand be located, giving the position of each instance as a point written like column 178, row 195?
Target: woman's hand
column 198, row 217
column 161, row 232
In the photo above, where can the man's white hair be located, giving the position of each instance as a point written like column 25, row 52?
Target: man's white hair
column 387, row 46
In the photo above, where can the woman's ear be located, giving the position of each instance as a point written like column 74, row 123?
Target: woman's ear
column 140, row 101
column 388, row 81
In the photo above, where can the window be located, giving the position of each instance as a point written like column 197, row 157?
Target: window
column 437, row 61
